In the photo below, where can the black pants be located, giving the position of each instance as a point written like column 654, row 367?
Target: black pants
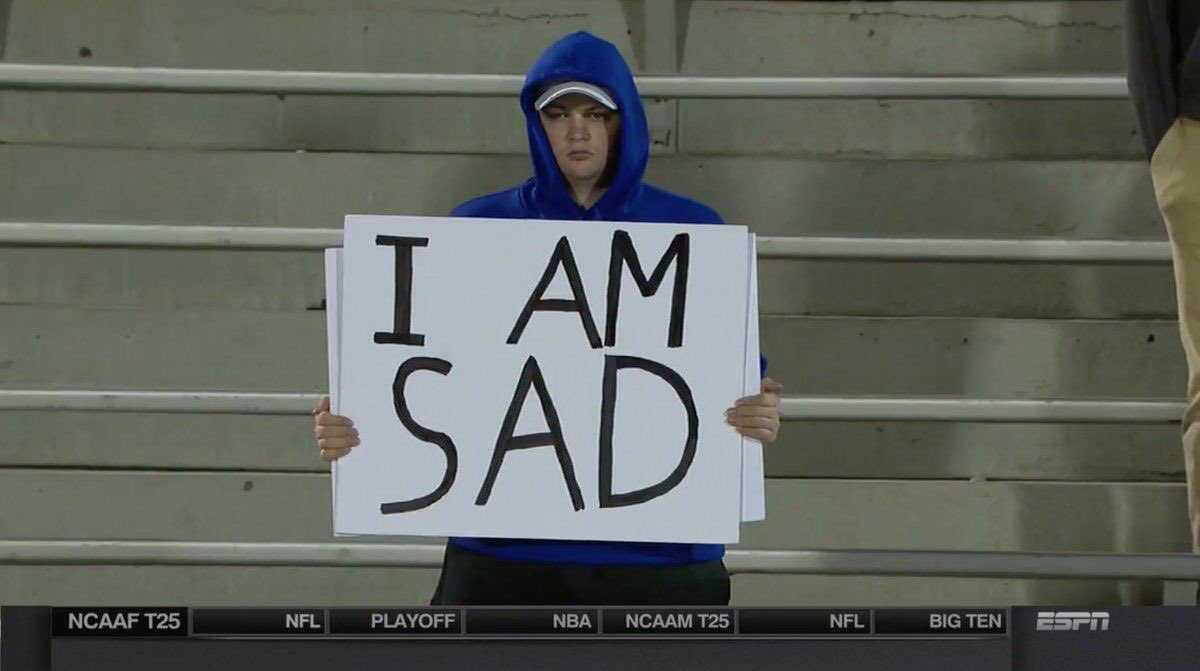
column 473, row 579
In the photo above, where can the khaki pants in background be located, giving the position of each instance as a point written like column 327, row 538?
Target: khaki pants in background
column 1176, row 171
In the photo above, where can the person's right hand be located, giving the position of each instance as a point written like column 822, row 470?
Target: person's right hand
column 336, row 435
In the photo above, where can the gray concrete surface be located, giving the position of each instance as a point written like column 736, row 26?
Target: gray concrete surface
column 883, row 514
column 848, row 38
column 217, row 350
column 240, row 281
column 718, row 37
column 820, row 129
column 746, row 38
column 215, row 586
column 841, row 450
column 976, row 198
column 867, row 591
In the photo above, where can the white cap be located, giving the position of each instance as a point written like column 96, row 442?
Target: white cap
column 556, row 91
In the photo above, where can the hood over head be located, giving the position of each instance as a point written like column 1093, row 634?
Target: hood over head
column 584, row 57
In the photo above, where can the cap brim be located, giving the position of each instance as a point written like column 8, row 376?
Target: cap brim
column 559, row 90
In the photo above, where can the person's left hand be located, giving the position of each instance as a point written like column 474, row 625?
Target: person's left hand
column 757, row 416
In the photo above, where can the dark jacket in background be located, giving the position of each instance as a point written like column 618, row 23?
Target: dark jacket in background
column 1162, row 63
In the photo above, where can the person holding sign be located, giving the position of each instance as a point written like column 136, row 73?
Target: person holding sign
column 589, row 141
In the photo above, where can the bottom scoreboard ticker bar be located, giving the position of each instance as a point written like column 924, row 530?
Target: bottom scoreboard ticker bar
column 443, row 622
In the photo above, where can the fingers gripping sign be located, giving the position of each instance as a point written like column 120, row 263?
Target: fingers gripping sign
column 335, row 434
column 758, row 416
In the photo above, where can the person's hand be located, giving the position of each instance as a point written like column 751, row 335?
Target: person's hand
column 757, row 416
column 336, row 435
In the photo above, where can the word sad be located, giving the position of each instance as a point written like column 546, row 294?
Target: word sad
column 531, row 379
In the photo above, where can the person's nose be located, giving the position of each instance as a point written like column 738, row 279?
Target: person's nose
column 577, row 129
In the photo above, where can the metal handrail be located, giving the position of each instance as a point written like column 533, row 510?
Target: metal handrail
column 55, row 234
column 794, row 408
column 960, row 564
column 1044, row 250
column 201, row 403
column 19, row 76
column 924, row 409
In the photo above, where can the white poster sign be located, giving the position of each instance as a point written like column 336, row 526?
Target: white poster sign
column 541, row 379
column 754, row 495
column 333, row 336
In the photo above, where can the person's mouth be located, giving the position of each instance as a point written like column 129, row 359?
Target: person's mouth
column 579, row 155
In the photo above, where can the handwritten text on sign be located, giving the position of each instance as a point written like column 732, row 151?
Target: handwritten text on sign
column 542, row 379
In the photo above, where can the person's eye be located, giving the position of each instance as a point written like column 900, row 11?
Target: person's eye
column 599, row 116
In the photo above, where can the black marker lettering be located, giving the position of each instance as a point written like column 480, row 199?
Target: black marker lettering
column 442, row 367
column 608, row 403
column 401, row 333
column 623, row 251
column 562, row 256
column 531, row 375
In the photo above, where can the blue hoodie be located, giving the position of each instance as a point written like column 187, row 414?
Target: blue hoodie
column 583, row 57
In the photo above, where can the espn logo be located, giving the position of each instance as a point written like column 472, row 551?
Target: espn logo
column 1072, row 621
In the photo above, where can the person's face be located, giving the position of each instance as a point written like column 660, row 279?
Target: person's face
column 582, row 134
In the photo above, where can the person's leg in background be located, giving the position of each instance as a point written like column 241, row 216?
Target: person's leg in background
column 5, row 9
column 1175, row 167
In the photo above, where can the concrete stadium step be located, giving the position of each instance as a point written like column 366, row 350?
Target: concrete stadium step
column 471, row 36
column 354, row 35
column 903, row 38
column 163, row 505
column 989, row 358
column 172, row 349
column 1015, row 130
column 952, row 450
column 847, row 38
column 775, row 197
column 131, row 280
column 190, row 442
column 223, row 350
column 284, row 586
column 293, row 282
column 1084, row 199
column 868, row 591
column 907, row 38
column 903, row 289
column 890, row 450
column 721, row 37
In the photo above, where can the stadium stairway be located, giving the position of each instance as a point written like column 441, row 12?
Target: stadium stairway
column 250, row 321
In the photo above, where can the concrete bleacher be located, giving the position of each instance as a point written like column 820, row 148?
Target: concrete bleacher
column 247, row 321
